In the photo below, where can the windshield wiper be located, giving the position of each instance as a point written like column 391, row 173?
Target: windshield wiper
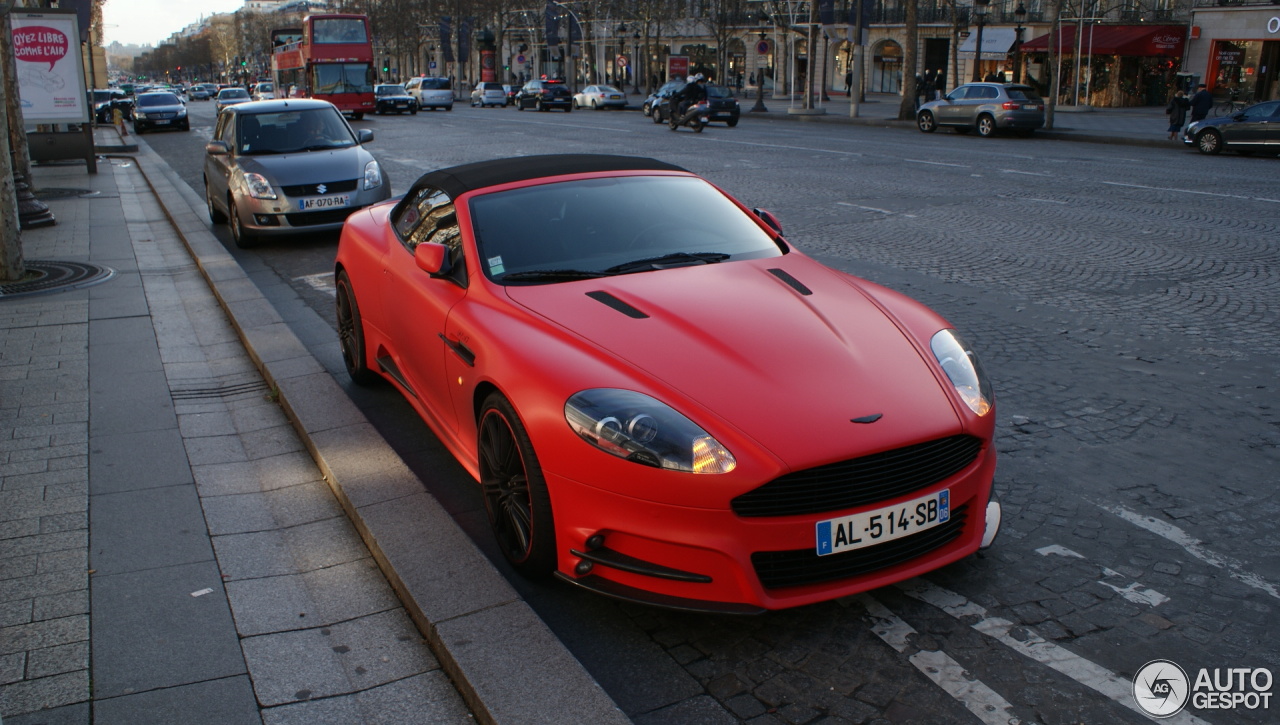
column 676, row 259
column 547, row 275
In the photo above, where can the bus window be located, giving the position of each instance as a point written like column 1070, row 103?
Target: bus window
column 338, row 30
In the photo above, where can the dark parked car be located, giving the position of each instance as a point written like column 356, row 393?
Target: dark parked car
column 723, row 106
column 288, row 166
column 987, row 107
column 108, row 99
column 1256, row 128
column 393, row 98
column 544, row 96
column 160, row 110
column 657, row 96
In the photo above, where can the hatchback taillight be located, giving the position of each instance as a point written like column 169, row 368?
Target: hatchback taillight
column 1011, row 106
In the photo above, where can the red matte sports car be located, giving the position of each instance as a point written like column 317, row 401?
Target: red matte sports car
column 663, row 400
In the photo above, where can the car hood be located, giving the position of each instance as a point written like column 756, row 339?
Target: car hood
column 396, row 97
column 307, row 167
column 788, row 369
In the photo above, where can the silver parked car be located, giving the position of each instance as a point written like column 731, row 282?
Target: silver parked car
column 598, row 97
column 988, row 107
column 488, row 94
column 288, row 166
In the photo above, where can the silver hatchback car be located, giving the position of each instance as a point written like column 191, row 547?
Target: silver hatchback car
column 288, row 166
column 988, row 107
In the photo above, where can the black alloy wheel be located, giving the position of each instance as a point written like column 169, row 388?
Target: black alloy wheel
column 515, row 493
column 1209, row 142
column 926, row 123
column 351, row 333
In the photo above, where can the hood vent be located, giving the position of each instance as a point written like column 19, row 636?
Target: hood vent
column 792, row 282
column 617, row 304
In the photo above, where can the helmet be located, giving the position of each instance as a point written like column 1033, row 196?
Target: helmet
column 695, row 78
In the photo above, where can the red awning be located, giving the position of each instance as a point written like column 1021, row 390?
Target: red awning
column 1142, row 40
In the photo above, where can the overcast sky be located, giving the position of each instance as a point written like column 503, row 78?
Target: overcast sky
column 148, row 22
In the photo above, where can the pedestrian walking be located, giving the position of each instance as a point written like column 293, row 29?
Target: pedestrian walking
column 923, row 94
column 1201, row 103
column 848, row 82
column 1177, row 112
column 939, row 84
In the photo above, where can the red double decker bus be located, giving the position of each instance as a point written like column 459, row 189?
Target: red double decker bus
column 330, row 57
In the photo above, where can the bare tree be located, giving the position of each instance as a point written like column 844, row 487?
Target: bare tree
column 907, row 109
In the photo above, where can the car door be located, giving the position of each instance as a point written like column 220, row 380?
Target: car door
column 1249, row 128
column 417, row 304
column 951, row 111
column 217, row 169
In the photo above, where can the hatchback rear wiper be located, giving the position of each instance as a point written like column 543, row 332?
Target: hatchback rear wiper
column 676, row 259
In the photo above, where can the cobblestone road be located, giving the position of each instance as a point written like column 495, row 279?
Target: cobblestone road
column 1125, row 302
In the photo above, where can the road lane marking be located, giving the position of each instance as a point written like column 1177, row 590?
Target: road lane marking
column 322, row 282
column 1134, row 592
column 1026, row 173
column 951, row 676
column 1194, row 191
column 1194, row 547
column 868, row 208
column 936, row 163
column 1091, row 675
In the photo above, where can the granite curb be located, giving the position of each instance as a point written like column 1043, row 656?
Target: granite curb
column 508, row 665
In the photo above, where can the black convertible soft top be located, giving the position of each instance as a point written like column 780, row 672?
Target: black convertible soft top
column 458, row 180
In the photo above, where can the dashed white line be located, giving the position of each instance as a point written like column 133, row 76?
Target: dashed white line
column 951, row 676
column 1025, row 173
column 1193, row 191
column 1194, row 547
column 936, row 163
column 867, row 208
column 1091, row 675
column 1134, row 592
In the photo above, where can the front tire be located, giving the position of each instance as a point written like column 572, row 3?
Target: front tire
column 243, row 238
column 926, row 122
column 1209, row 142
column 215, row 216
column 986, row 125
column 515, row 492
column 351, row 333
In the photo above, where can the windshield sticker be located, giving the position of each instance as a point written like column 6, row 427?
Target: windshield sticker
column 495, row 265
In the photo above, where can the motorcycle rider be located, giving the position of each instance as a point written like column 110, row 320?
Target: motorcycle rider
column 693, row 93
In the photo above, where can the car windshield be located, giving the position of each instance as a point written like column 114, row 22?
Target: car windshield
column 286, row 132
column 226, row 93
column 389, row 91
column 601, row 227
column 158, row 99
column 265, row 88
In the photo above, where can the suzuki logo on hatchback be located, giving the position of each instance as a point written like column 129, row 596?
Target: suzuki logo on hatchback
column 321, row 188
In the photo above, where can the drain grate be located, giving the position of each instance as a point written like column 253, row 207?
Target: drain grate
column 219, row 392
column 50, row 276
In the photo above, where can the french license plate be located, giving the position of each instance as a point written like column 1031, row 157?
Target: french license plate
column 401, row 104
column 162, row 122
column 324, row 202
column 884, row 524
column 614, row 96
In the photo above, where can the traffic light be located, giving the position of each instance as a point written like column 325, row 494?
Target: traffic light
column 244, row 62
column 386, row 65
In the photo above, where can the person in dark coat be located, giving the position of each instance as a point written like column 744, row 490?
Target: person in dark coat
column 1201, row 103
column 1177, row 111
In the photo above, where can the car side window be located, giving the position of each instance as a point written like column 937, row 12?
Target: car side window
column 958, row 94
column 431, row 217
column 222, row 131
column 1261, row 111
column 986, row 92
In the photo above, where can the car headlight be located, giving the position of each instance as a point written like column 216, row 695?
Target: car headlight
column 964, row 370
column 372, row 175
column 259, row 187
column 182, row 113
column 140, row 115
column 638, row 428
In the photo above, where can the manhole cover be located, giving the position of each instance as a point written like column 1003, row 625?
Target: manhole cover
column 57, row 193
column 47, row 276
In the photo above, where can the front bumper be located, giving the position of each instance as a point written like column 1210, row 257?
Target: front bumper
column 281, row 216
column 716, row 560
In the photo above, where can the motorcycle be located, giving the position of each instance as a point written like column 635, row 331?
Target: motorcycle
column 696, row 117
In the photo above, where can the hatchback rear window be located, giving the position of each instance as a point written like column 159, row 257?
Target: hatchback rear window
column 435, row 84
column 1023, row 94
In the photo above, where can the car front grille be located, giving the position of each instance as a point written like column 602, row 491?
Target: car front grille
column 330, row 187
column 779, row 569
column 315, row 218
column 860, row 481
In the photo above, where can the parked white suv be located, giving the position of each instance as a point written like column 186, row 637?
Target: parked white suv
column 431, row 92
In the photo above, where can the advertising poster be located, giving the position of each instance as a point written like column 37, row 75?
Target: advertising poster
column 51, row 85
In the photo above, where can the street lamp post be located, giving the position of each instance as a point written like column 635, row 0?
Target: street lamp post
column 979, row 9
column 759, row 107
column 1021, row 14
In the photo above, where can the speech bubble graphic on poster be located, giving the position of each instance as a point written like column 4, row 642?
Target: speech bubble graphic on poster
column 39, row 44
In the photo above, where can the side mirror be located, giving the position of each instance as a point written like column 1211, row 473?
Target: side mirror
column 364, row 135
column 768, row 218
column 432, row 258
column 217, row 148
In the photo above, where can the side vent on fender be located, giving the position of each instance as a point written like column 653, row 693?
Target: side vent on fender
column 792, row 282
column 617, row 304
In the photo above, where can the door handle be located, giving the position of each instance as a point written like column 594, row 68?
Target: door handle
column 461, row 350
